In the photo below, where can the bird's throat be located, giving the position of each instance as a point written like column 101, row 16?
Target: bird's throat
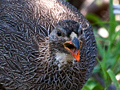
column 63, row 58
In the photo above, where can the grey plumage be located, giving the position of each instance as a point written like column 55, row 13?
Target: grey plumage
column 28, row 45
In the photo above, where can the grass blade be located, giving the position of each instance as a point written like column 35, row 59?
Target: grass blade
column 112, row 76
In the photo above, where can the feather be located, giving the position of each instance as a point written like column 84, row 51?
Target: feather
column 32, row 56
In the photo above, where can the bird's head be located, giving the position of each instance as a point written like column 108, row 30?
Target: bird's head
column 65, row 39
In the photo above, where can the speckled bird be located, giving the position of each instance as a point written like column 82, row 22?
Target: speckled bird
column 44, row 45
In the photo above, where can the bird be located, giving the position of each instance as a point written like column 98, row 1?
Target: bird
column 44, row 45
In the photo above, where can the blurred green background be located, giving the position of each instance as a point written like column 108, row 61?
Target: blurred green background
column 105, row 20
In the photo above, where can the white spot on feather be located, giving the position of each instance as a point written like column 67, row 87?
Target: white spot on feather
column 63, row 58
column 72, row 35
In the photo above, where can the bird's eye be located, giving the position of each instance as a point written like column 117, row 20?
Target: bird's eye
column 58, row 33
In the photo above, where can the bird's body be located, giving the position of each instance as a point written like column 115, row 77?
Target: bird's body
column 32, row 53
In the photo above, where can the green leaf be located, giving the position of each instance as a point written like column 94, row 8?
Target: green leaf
column 98, row 87
column 85, row 88
column 100, row 49
column 112, row 20
column 112, row 76
column 102, row 64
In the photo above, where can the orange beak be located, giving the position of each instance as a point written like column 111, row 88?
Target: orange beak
column 74, row 47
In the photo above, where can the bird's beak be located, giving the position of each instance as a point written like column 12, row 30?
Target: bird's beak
column 74, row 47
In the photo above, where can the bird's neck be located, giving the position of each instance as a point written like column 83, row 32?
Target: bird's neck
column 58, row 57
column 50, row 55
column 63, row 58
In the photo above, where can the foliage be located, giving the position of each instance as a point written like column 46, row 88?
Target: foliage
column 109, row 66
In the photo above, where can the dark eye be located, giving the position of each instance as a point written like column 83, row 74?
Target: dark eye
column 58, row 33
